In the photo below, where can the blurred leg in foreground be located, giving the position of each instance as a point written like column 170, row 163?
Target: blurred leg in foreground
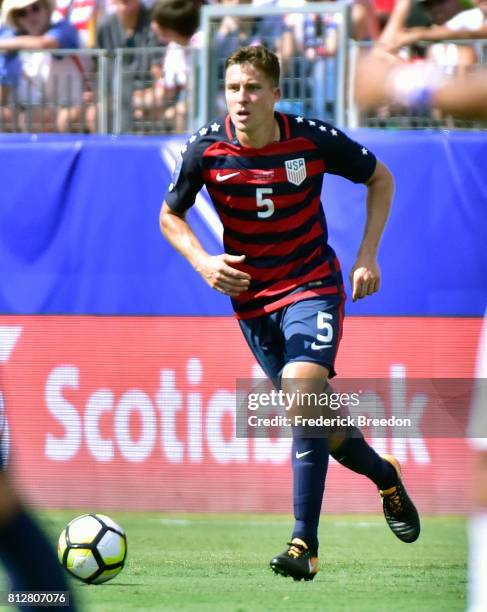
column 25, row 552
column 477, row 566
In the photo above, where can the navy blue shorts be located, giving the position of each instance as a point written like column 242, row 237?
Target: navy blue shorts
column 308, row 330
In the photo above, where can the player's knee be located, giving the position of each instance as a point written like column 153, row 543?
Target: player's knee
column 304, row 396
column 305, row 373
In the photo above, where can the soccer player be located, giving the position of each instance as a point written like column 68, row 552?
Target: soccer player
column 264, row 172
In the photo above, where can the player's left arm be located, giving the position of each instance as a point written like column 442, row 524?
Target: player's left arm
column 365, row 275
column 348, row 158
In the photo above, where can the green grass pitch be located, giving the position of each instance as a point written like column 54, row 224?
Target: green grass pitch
column 219, row 563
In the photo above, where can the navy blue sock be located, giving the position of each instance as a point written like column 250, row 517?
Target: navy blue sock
column 29, row 558
column 310, row 463
column 355, row 454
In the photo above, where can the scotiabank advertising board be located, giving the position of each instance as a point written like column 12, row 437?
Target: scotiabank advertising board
column 139, row 413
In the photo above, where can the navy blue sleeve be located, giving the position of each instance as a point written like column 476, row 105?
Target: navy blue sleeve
column 187, row 178
column 342, row 155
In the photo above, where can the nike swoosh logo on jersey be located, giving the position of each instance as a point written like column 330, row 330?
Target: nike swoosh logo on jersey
column 299, row 455
column 318, row 347
column 224, row 177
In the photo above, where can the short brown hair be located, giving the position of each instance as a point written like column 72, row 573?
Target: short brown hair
column 181, row 16
column 260, row 57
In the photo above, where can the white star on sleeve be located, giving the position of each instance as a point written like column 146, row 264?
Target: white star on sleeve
column 203, row 131
column 322, row 128
column 312, row 123
column 193, row 138
column 215, row 127
column 299, row 119
column 334, row 132
column 364, row 151
column 184, row 148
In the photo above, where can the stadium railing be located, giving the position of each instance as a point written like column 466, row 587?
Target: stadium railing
column 122, row 94
column 446, row 56
column 94, row 91
column 57, row 91
column 311, row 42
column 148, row 100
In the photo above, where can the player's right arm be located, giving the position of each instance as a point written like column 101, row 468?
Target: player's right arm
column 216, row 270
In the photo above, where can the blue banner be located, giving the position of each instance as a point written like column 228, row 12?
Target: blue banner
column 79, row 227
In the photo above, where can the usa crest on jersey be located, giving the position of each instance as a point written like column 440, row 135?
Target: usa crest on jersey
column 295, row 170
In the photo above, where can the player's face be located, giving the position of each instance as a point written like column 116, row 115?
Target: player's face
column 250, row 98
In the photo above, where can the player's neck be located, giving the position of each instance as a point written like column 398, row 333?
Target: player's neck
column 261, row 138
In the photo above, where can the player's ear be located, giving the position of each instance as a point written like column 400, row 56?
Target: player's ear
column 277, row 94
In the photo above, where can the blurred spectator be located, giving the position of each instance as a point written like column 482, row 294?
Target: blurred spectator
column 320, row 40
column 409, row 14
column 8, row 80
column 449, row 23
column 389, row 80
column 48, row 87
column 471, row 19
column 440, row 11
column 365, row 21
column 411, row 17
column 233, row 32
column 319, row 43
column 471, row 23
column 383, row 78
column 129, row 27
column 176, row 23
column 308, row 54
column 383, row 10
column 280, row 32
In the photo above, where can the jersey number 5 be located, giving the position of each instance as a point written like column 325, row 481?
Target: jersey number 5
column 265, row 203
column 323, row 324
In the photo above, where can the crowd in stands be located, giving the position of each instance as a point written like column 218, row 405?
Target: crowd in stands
column 45, row 88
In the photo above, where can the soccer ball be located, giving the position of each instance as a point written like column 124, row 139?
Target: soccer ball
column 93, row 548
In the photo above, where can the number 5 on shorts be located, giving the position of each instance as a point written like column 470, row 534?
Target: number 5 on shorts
column 323, row 324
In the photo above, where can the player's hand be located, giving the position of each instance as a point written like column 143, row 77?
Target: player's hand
column 219, row 272
column 364, row 277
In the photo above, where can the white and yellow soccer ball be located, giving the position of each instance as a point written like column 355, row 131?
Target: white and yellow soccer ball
column 93, row 548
